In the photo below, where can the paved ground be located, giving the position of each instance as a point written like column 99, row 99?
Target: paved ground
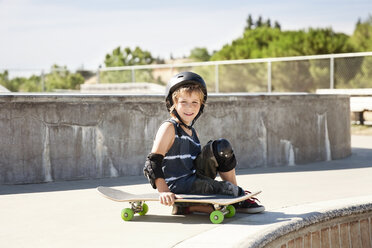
column 72, row 214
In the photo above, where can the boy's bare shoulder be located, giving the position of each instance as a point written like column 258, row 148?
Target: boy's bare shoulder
column 166, row 131
column 164, row 138
column 166, row 127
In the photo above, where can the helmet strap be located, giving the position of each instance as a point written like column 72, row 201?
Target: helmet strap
column 182, row 123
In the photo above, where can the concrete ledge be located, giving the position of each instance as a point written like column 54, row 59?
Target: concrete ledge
column 332, row 222
column 123, row 88
column 54, row 137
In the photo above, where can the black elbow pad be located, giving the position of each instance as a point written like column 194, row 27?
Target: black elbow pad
column 153, row 168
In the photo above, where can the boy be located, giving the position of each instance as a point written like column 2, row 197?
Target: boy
column 177, row 164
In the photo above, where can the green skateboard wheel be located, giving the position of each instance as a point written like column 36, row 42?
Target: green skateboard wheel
column 216, row 217
column 145, row 209
column 231, row 211
column 127, row 214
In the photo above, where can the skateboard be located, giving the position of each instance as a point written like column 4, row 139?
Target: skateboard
column 222, row 203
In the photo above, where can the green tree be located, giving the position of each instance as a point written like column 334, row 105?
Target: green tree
column 264, row 42
column 20, row 84
column 363, row 79
column 61, row 78
column 255, row 43
column 268, row 23
column 4, row 80
column 361, row 40
column 259, row 22
column 249, row 23
column 199, row 54
column 127, row 57
column 362, row 36
column 31, row 84
column 325, row 41
column 58, row 78
column 277, row 25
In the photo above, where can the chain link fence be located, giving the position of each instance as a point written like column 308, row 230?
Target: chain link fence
column 58, row 79
column 289, row 74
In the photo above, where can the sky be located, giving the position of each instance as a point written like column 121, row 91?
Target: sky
column 35, row 34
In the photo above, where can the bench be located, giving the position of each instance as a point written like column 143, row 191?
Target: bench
column 360, row 100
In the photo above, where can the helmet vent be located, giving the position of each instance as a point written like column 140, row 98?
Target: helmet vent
column 180, row 76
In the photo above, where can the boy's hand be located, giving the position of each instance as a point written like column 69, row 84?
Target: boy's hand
column 167, row 198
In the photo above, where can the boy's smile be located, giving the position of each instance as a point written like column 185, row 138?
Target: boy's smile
column 188, row 106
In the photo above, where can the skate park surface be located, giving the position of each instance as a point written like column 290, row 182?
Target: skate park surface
column 73, row 214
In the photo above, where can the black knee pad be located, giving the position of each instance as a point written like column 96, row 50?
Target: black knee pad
column 224, row 155
column 205, row 163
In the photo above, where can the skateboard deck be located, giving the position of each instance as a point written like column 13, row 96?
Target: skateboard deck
column 222, row 203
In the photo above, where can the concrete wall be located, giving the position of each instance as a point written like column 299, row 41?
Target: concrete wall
column 63, row 137
column 338, row 223
column 345, row 222
column 348, row 231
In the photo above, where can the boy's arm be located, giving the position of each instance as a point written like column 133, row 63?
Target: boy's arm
column 165, row 196
column 163, row 141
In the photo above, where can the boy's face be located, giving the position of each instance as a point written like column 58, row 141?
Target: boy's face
column 188, row 106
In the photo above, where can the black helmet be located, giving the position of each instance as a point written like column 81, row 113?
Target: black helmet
column 180, row 79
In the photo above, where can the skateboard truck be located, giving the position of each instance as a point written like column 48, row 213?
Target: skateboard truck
column 220, row 212
column 136, row 207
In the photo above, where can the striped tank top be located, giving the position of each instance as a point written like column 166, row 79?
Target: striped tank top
column 178, row 166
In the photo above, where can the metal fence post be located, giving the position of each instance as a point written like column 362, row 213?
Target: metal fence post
column 217, row 86
column 133, row 75
column 269, row 76
column 171, row 71
column 98, row 75
column 42, row 81
column 332, row 73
